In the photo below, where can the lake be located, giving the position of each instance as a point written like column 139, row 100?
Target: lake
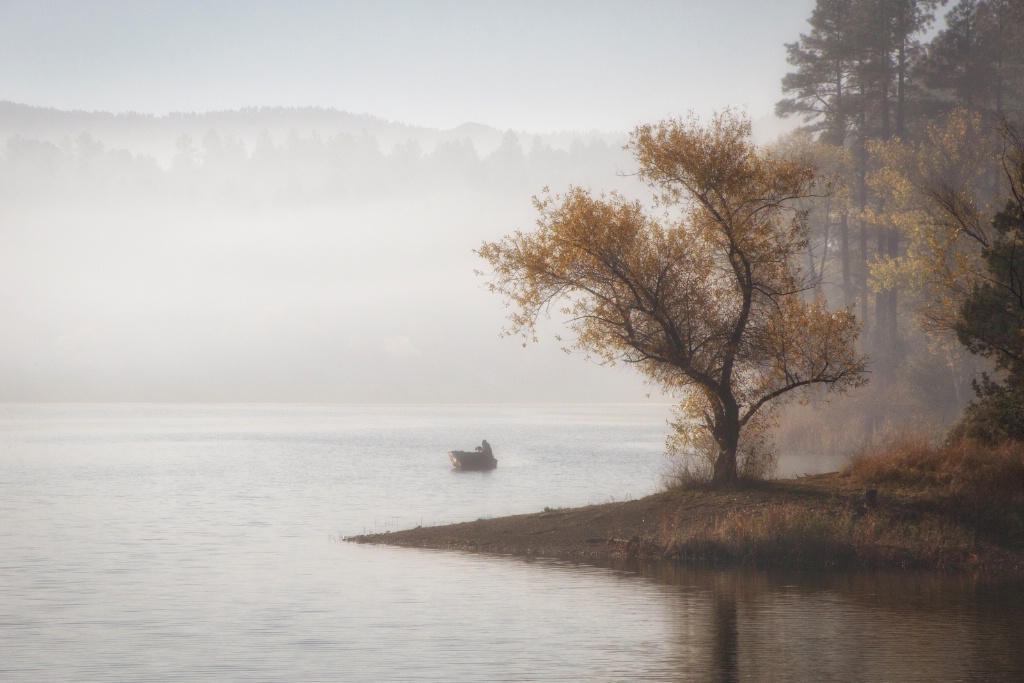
column 202, row 542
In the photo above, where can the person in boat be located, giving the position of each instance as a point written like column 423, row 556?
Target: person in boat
column 485, row 448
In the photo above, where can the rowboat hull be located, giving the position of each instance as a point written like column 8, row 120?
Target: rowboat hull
column 472, row 460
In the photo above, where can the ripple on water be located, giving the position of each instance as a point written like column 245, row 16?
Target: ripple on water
column 197, row 543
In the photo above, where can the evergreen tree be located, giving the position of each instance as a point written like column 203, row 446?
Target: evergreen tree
column 820, row 88
column 991, row 320
column 977, row 60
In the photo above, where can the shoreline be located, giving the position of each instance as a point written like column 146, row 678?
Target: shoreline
column 819, row 522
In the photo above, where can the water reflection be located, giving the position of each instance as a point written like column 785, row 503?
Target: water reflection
column 725, row 638
column 848, row 627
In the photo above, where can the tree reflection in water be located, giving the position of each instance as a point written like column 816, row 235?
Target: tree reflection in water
column 725, row 636
column 784, row 626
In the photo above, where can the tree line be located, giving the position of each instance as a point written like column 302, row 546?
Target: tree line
column 906, row 116
column 298, row 169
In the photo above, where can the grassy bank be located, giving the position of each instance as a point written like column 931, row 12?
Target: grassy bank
column 954, row 508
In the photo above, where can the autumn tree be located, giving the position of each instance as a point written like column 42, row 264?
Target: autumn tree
column 938, row 194
column 707, row 300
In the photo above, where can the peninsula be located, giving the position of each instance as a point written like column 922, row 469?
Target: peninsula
column 865, row 517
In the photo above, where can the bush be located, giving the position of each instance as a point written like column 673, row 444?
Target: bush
column 997, row 417
column 972, row 479
column 964, row 466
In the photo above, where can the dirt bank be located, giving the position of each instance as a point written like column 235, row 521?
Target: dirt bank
column 823, row 521
column 591, row 531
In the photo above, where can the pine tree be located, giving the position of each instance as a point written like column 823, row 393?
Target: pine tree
column 991, row 322
column 977, row 61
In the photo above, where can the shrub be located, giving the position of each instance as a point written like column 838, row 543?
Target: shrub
column 972, row 480
column 964, row 467
column 997, row 416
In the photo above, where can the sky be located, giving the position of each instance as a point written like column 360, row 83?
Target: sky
column 537, row 66
column 369, row 303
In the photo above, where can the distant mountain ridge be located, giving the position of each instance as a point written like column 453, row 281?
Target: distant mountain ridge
column 158, row 135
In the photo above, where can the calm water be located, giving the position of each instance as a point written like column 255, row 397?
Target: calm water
column 201, row 543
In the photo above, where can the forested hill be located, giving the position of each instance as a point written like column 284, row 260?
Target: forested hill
column 160, row 136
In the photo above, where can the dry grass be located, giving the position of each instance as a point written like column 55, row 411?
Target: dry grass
column 978, row 485
column 798, row 534
column 953, row 507
column 990, row 475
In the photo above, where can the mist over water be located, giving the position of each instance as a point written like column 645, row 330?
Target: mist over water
column 278, row 256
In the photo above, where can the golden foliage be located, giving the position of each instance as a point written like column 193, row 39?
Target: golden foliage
column 709, row 304
column 939, row 194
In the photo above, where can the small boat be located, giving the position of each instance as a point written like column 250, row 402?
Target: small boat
column 472, row 460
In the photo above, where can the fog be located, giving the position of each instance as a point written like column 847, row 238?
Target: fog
column 305, row 232
column 317, row 267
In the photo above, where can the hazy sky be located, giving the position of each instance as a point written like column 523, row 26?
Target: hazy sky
column 539, row 66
